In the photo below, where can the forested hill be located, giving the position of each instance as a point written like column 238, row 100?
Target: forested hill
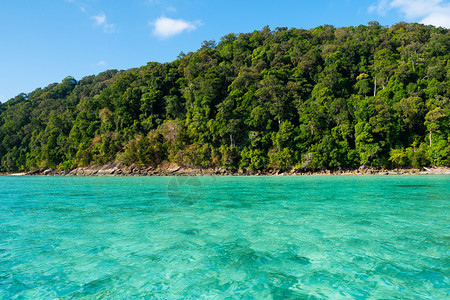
column 324, row 98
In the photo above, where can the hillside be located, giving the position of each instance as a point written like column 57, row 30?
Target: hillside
column 326, row 98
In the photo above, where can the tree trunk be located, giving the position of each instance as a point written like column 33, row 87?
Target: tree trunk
column 375, row 88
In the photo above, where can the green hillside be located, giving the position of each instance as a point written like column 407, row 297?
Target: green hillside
column 325, row 98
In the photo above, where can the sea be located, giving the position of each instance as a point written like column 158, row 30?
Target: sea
column 260, row 237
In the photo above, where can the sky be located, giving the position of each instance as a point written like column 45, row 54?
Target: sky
column 44, row 41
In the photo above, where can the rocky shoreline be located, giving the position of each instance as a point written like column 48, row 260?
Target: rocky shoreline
column 116, row 169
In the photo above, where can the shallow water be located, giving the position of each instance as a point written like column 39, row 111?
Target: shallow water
column 215, row 237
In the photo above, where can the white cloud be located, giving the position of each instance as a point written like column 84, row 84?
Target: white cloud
column 438, row 19
column 100, row 21
column 166, row 27
column 430, row 12
column 102, row 63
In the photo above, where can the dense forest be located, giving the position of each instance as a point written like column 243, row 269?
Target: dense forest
column 324, row 98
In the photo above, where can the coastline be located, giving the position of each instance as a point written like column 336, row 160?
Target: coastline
column 116, row 169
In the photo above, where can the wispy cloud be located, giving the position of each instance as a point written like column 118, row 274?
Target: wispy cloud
column 430, row 12
column 380, row 8
column 100, row 21
column 80, row 5
column 102, row 63
column 171, row 9
column 163, row 5
column 166, row 27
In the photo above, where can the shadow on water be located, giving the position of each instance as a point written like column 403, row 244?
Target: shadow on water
column 190, row 232
column 412, row 185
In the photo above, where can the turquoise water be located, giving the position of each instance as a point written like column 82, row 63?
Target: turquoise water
column 377, row 237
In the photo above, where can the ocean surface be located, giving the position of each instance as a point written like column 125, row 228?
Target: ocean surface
column 312, row 237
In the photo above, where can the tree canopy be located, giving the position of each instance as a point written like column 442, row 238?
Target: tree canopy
column 324, row 98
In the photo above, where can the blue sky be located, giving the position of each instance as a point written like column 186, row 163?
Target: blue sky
column 43, row 41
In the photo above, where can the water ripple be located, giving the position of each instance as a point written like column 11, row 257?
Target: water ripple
column 250, row 237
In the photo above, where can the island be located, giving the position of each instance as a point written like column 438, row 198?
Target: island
column 285, row 101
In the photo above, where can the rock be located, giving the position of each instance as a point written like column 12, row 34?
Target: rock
column 437, row 170
column 173, row 169
column 17, row 174
column 108, row 171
